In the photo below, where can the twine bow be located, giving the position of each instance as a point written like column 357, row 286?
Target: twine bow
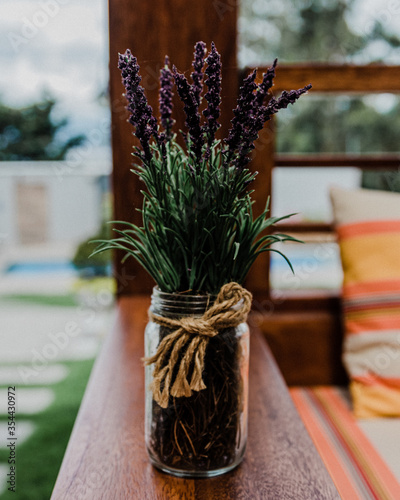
column 222, row 314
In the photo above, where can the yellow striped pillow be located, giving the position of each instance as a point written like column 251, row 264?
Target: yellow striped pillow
column 368, row 229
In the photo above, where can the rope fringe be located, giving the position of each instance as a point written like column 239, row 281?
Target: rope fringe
column 231, row 308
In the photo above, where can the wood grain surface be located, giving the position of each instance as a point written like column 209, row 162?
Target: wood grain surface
column 338, row 78
column 106, row 457
column 304, row 331
column 373, row 161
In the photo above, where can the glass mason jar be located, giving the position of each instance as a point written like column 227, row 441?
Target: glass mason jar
column 205, row 434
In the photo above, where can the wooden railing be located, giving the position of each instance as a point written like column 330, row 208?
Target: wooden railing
column 339, row 78
column 368, row 161
column 106, row 456
column 382, row 162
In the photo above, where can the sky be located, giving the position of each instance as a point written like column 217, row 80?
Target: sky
column 60, row 48
column 57, row 48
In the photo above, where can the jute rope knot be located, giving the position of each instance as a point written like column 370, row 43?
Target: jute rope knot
column 230, row 308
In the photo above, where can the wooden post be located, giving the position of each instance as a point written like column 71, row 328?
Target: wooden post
column 262, row 162
column 152, row 30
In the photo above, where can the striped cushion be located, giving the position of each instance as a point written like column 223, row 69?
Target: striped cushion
column 368, row 229
column 356, row 468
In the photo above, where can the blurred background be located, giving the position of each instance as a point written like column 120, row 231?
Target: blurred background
column 319, row 32
column 56, row 304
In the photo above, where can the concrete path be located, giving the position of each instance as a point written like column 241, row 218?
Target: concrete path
column 39, row 334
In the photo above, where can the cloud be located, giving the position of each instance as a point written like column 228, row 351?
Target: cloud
column 55, row 46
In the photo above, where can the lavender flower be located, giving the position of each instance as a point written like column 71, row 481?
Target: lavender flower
column 243, row 114
column 259, row 117
column 266, row 84
column 213, row 96
column 251, row 115
column 188, row 98
column 197, row 74
column 286, row 98
column 141, row 112
column 165, row 100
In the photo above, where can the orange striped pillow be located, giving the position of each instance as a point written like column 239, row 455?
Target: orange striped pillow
column 368, row 229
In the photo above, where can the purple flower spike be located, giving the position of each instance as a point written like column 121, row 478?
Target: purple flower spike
column 165, row 100
column 251, row 114
column 213, row 96
column 266, row 84
column 141, row 112
column 255, row 116
column 243, row 113
column 197, row 75
column 286, row 98
column 255, row 106
column 188, row 98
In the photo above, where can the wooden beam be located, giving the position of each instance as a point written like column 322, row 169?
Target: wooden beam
column 371, row 161
column 335, row 78
column 151, row 30
column 303, row 227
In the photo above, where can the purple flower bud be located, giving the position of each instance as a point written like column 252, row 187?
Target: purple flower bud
column 195, row 136
column 165, row 99
column 243, row 114
column 252, row 111
column 266, row 84
column 213, row 96
column 141, row 112
column 197, row 74
column 286, row 98
column 251, row 114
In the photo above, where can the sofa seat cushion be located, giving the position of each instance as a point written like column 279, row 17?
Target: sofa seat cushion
column 358, row 465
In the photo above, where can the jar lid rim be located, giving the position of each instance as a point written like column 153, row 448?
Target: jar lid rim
column 183, row 295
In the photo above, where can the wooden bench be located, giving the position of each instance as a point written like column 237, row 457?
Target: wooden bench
column 106, row 456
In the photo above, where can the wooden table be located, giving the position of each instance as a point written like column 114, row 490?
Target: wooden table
column 106, row 457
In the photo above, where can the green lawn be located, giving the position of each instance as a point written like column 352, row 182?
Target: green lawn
column 38, row 459
column 66, row 300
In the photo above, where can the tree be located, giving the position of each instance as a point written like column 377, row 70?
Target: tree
column 342, row 124
column 323, row 31
column 31, row 134
column 310, row 31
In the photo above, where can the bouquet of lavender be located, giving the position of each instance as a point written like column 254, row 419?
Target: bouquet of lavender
column 198, row 229
column 198, row 239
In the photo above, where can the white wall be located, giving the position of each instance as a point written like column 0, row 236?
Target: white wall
column 305, row 191
column 75, row 208
column 8, row 223
column 74, row 198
